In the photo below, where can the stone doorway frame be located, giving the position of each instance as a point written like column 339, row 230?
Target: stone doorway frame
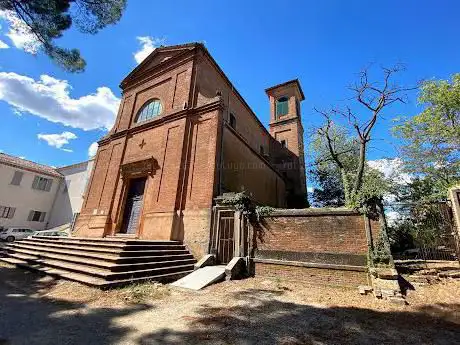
column 129, row 171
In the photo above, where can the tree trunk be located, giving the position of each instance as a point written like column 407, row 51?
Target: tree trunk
column 360, row 173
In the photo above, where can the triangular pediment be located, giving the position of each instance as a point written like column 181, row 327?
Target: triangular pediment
column 159, row 56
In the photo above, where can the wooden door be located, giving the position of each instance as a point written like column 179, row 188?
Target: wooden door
column 133, row 206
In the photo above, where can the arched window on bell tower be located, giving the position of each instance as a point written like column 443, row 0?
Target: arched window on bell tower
column 282, row 106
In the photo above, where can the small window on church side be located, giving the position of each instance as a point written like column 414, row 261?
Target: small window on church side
column 232, row 121
column 282, row 106
column 150, row 109
column 283, row 143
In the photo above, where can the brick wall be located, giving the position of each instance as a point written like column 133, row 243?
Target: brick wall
column 323, row 245
column 312, row 275
column 182, row 140
column 243, row 169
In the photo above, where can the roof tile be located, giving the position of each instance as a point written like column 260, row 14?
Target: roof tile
column 28, row 165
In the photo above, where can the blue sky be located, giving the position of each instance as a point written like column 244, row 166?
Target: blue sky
column 257, row 44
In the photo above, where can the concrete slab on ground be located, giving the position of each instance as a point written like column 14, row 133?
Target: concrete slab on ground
column 201, row 277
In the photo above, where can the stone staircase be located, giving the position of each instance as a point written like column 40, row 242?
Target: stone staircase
column 102, row 262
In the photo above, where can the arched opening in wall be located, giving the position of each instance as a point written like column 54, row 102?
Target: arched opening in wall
column 149, row 110
column 282, row 107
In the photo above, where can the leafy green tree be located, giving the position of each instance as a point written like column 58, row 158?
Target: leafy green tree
column 46, row 20
column 330, row 191
column 338, row 170
column 329, row 176
column 432, row 138
column 422, row 219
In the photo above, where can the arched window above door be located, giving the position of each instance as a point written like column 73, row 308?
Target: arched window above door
column 149, row 110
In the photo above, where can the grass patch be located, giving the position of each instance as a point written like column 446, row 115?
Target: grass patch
column 143, row 292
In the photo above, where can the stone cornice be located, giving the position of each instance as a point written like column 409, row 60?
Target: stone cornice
column 285, row 121
column 163, row 120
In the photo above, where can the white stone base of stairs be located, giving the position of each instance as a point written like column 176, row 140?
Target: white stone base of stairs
column 201, row 278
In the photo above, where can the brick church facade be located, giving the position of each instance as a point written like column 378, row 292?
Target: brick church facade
column 183, row 136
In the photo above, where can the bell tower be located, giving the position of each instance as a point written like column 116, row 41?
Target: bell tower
column 286, row 128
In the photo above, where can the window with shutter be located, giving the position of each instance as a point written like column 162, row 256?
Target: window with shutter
column 36, row 216
column 35, row 183
column 49, row 182
column 11, row 212
column 7, row 212
column 42, row 183
column 17, row 178
column 282, row 106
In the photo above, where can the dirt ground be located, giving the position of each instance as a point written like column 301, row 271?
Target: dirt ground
column 42, row 310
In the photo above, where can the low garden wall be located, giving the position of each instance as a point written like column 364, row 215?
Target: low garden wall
column 318, row 246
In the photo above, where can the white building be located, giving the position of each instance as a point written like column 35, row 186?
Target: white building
column 27, row 192
column 37, row 196
column 71, row 194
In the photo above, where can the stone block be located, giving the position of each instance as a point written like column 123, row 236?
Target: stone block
column 364, row 289
column 398, row 300
column 450, row 274
column 236, row 268
column 207, row 260
column 387, row 293
column 387, row 273
column 377, row 292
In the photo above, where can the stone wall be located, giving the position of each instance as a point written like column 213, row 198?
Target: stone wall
column 325, row 246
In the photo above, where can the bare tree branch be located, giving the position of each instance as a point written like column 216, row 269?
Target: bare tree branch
column 374, row 97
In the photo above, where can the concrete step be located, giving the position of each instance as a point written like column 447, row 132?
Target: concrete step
column 100, row 272
column 122, row 236
column 96, row 257
column 92, row 281
column 102, row 250
column 108, row 244
column 111, row 265
column 101, row 262
column 107, row 240
column 81, row 278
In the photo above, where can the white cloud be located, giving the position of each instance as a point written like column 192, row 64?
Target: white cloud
column 3, row 45
column 50, row 99
column 20, row 34
column 148, row 45
column 391, row 169
column 92, row 150
column 58, row 140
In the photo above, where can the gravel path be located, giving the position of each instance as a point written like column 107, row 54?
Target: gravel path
column 37, row 310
